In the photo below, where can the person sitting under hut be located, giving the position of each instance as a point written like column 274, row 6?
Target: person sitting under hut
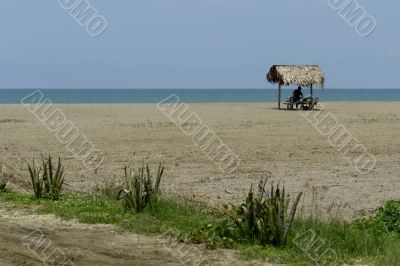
column 297, row 96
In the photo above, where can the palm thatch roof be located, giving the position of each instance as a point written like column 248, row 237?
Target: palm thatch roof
column 300, row 75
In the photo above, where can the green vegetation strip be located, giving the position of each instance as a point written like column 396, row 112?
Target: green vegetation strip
column 97, row 209
column 372, row 241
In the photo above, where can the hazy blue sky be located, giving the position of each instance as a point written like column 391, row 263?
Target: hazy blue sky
column 194, row 44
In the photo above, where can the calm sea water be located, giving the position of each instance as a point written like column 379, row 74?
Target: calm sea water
column 12, row 96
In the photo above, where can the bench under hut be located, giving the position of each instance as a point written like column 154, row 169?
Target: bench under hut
column 299, row 75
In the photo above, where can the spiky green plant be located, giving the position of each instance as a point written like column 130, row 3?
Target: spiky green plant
column 265, row 217
column 36, row 179
column 45, row 181
column 53, row 181
column 3, row 182
column 139, row 191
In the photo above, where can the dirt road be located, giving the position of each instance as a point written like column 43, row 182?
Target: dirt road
column 27, row 239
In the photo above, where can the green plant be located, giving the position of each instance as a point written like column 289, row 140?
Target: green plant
column 45, row 181
column 386, row 218
column 53, row 181
column 36, row 179
column 139, row 191
column 221, row 233
column 265, row 216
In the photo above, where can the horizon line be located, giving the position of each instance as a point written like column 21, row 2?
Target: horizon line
column 269, row 88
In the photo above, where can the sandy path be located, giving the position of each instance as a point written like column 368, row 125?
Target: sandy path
column 84, row 244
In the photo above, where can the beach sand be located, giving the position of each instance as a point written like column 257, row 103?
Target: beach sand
column 279, row 145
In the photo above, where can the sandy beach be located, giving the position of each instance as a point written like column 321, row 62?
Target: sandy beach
column 280, row 145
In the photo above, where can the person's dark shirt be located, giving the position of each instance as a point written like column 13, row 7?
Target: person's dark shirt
column 297, row 94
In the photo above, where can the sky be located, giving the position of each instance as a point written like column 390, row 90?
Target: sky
column 194, row 44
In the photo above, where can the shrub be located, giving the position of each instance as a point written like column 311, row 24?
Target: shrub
column 45, row 181
column 222, row 233
column 139, row 191
column 263, row 218
column 386, row 218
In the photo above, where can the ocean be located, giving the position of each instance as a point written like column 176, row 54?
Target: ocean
column 70, row 96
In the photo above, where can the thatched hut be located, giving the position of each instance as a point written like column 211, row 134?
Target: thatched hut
column 299, row 75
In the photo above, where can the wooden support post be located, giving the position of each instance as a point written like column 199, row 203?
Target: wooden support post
column 279, row 97
column 311, row 91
